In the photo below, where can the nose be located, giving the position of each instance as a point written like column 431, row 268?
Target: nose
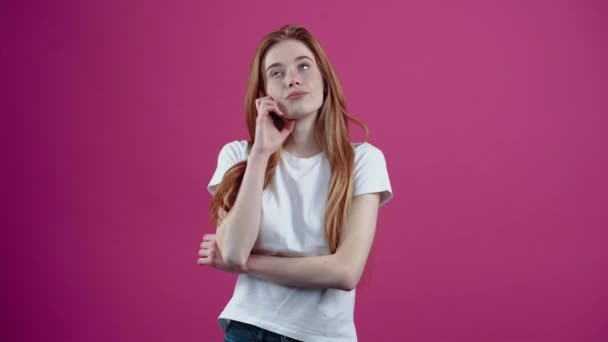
column 292, row 78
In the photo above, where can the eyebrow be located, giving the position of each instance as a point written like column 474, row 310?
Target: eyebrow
column 278, row 64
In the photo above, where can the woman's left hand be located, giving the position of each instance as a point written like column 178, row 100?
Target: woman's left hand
column 209, row 254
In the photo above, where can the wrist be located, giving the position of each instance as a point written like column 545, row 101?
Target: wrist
column 258, row 157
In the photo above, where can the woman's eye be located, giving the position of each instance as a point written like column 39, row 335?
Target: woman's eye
column 274, row 74
column 304, row 66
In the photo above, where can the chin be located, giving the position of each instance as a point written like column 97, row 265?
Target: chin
column 299, row 113
column 296, row 115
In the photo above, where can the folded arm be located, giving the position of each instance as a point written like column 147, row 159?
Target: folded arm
column 341, row 270
column 238, row 230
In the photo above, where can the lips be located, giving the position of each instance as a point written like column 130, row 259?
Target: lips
column 296, row 95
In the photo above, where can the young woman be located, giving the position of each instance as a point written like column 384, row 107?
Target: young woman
column 295, row 205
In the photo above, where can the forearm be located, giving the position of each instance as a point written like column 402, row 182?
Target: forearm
column 239, row 229
column 311, row 271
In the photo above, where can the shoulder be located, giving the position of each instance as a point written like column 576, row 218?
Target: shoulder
column 371, row 173
column 236, row 146
column 236, row 150
column 365, row 151
column 369, row 161
column 230, row 154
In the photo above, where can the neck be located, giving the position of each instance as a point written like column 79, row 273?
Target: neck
column 302, row 141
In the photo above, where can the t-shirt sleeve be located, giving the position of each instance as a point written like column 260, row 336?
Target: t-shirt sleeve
column 229, row 155
column 371, row 174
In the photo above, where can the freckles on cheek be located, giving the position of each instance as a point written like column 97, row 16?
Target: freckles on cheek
column 270, row 91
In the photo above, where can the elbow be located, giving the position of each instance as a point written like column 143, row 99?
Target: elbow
column 231, row 255
column 235, row 262
column 234, row 259
column 348, row 285
column 348, row 280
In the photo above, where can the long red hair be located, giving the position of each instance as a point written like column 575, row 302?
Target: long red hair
column 332, row 134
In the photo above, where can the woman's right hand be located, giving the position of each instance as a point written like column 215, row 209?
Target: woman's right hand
column 268, row 139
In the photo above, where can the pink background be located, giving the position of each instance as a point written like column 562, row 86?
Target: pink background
column 492, row 116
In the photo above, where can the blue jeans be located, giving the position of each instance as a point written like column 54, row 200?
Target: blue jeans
column 243, row 332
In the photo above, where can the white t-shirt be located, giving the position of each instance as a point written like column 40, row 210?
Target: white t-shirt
column 293, row 207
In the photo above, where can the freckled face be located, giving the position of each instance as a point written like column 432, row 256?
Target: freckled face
column 293, row 79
